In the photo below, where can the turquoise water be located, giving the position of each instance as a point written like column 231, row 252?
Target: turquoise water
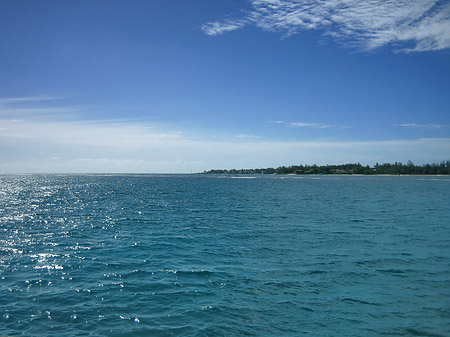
column 187, row 255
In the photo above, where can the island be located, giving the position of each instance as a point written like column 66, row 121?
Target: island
column 397, row 168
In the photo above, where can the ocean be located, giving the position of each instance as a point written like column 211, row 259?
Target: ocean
column 220, row 255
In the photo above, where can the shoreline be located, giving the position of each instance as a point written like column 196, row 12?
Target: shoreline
column 329, row 174
column 442, row 168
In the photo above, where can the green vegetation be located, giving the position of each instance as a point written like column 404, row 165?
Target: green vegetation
column 393, row 169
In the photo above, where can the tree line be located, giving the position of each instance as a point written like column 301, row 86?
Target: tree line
column 442, row 168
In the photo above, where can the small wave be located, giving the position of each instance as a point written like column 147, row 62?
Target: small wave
column 307, row 309
column 137, row 320
column 391, row 271
column 206, row 307
column 50, row 267
column 12, row 250
column 314, row 272
column 415, row 332
column 354, row 300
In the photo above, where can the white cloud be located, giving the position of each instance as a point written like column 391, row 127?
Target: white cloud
column 419, row 25
column 33, row 107
column 216, row 28
column 38, row 111
column 311, row 125
column 96, row 147
column 94, row 134
column 13, row 100
column 247, row 136
column 421, row 126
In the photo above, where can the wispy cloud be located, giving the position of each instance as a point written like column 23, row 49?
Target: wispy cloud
column 419, row 25
column 421, row 126
column 309, row 125
column 12, row 100
column 243, row 136
column 104, row 146
column 217, row 28
column 33, row 111
column 33, row 107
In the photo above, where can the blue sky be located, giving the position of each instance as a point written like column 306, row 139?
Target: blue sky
column 186, row 86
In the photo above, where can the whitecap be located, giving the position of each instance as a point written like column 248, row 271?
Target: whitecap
column 50, row 267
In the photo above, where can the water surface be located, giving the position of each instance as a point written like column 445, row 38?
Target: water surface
column 187, row 255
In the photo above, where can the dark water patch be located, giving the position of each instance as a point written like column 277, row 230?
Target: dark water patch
column 358, row 301
column 411, row 332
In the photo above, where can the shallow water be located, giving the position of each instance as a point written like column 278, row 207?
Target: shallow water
column 187, row 255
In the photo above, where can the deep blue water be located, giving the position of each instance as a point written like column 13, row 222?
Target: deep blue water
column 187, row 255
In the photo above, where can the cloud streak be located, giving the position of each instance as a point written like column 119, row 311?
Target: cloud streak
column 217, row 28
column 12, row 100
column 422, row 126
column 420, row 25
column 107, row 147
column 309, row 125
column 34, row 107
column 244, row 136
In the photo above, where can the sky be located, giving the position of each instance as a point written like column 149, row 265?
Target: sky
column 176, row 86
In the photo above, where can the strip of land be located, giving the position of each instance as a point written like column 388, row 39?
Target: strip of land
column 409, row 168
